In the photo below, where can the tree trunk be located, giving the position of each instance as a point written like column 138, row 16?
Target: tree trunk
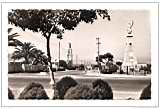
column 26, row 60
column 49, row 60
column 120, row 70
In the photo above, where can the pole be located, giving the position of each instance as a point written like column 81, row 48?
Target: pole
column 76, row 59
column 98, row 43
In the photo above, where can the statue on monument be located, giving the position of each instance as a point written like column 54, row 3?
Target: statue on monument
column 130, row 25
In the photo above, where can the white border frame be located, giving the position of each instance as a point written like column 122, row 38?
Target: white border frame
column 152, row 7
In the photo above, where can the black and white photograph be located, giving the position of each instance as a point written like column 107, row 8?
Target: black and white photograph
column 88, row 53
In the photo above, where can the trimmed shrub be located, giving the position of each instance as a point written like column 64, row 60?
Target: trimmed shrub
column 62, row 63
column 15, row 67
column 105, row 71
column 71, row 67
column 10, row 94
column 146, row 93
column 34, row 68
column 102, row 90
column 61, row 69
column 33, row 91
column 79, row 92
column 63, row 85
column 109, row 68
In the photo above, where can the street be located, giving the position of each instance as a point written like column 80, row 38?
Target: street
column 123, row 86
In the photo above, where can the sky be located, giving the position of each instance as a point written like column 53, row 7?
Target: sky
column 112, row 36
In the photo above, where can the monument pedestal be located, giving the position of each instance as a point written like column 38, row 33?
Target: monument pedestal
column 130, row 61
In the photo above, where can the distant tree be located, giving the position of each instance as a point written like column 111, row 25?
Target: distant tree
column 149, row 68
column 108, row 57
column 11, row 38
column 49, row 22
column 62, row 63
column 146, row 69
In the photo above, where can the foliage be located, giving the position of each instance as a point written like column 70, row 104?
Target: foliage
column 11, row 38
column 99, row 90
column 149, row 68
column 146, row 93
column 79, row 92
column 61, row 69
column 49, row 22
column 24, row 51
column 119, row 63
column 146, row 68
column 15, row 67
column 81, row 67
column 105, row 71
column 122, row 72
column 31, row 54
column 10, row 94
column 33, row 91
column 109, row 68
column 72, row 67
column 39, row 57
column 35, row 68
column 63, row 64
column 105, row 58
column 63, row 85
column 102, row 89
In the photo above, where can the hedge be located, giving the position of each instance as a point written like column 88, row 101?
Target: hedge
column 146, row 93
column 33, row 91
column 63, row 85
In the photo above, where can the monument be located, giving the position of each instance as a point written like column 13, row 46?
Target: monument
column 69, row 56
column 130, row 60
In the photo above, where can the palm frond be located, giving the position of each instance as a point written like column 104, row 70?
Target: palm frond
column 9, row 30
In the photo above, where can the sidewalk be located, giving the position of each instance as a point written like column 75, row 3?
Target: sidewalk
column 83, row 75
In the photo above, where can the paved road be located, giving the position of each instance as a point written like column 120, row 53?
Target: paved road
column 123, row 86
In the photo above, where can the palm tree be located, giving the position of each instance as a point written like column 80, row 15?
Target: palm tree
column 26, row 51
column 39, row 57
column 11, row 38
